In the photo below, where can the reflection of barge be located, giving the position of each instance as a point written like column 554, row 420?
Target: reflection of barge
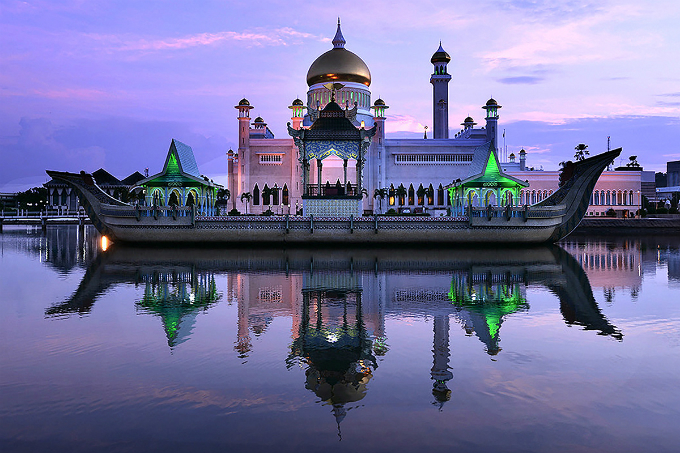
column 547, row 221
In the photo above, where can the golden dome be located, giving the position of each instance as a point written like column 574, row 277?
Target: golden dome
column 338, row 65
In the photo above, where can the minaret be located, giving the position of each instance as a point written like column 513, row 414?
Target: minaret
column 378, row 148
column 440, row 93
column 491, row 108
column 298, row 109
column 242, row 169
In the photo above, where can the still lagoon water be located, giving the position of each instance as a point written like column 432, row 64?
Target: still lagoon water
column 565, row 348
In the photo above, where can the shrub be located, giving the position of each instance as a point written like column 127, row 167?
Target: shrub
column 662, row 211
column 234, row 212
column 673, row 211
column 611, row 213
column 268, row 212
column 391, row 211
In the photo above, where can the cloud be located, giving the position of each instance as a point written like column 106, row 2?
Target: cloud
column 278, row 37
column 529, row 80
column 121, row 145
column 403, row 123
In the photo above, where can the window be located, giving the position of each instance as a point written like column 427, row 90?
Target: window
column 432, row 158
column 411, row 194
column 440, row 195
column 286, row 200
column 256, row 196
column 271, row 159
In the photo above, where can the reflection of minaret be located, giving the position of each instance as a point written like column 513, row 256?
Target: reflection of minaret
column 243, row 343
column 440, row 368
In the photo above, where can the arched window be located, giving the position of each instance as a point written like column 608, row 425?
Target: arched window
column 174, row 199
column 609, row 200
column 266, row 195
column 275, row 195
column 256, row 195
column 391, row 195
column 440, row 195
column 630, row 198
column 411, row 195
column 191, row 198
column 286, row 200
column 421, row 199
column 430, row 195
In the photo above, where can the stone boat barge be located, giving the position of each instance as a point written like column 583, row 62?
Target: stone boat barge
column 548, row 221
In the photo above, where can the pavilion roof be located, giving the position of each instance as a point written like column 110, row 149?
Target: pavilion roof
column 180, row 168
column 485, row 168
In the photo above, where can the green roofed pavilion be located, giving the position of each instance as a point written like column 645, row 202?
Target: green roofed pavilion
column 180, row 183
column 486, row 183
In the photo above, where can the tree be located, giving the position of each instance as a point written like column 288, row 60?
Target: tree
column 245, row 198
column 380, row 194
column 581, row 152
column 223, row 196
column 633, row 163
column 401, row 193
column 267, row 193
column 421, row 193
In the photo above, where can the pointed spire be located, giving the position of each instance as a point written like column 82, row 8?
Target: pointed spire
column 339, row 40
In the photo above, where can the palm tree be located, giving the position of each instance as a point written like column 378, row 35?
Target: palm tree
column 401, row 193
column 581, row 152
column 380, row 194
column 223, row 196
column 247, row 197
column 421, row 193
column 633, row 162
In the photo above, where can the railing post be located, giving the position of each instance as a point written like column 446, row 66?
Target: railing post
column 311, row 223
column 375, row 224
column 287, row 223
column 351, row 223
column 526, row 212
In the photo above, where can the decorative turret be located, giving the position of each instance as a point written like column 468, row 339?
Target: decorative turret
column 491, row 108
column 298, row 109
column 379, row 108
column 339, row 40
column 468, row 123
column 440, row 79
column 522, row 159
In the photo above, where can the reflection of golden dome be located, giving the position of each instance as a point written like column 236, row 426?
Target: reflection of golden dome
column 338, row 65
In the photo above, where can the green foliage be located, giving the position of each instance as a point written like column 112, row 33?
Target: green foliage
column 611, row 213
column 673, row 211
column 234, row 212
column 581, row 152
column 391, row 211
column 32, row 199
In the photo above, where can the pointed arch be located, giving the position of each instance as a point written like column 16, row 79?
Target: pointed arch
column 440, row 195
column 256, row 195
column 266, row 195
column 430, row 195
column 285, row 197
column 411, row 195
column 391, row 195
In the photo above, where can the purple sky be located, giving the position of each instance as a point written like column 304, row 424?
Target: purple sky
column 108, row 84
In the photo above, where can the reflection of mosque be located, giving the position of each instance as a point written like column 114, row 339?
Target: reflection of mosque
column 338, row 301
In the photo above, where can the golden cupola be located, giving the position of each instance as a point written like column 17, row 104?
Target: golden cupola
column 338, row 65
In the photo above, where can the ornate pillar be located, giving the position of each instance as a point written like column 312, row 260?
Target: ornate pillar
column 344, row 168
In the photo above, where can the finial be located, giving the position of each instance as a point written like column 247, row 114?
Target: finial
column 339, row 40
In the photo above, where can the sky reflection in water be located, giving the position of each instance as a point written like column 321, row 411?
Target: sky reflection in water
column 548, row 348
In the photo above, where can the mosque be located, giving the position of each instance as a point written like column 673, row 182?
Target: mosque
column 339, row 149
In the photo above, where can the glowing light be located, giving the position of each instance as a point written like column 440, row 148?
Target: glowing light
column 104, row 243
column 332, row 337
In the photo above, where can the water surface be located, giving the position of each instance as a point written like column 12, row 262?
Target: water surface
column 571, row 348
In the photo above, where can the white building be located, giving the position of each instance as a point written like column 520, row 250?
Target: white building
column 413, row 172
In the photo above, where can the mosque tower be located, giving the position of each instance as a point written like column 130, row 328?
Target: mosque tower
column 440, row 79
column 491, row 108
column 440, row 372
column 342, row 66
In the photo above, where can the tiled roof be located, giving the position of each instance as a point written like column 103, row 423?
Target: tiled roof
column 185, row 156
